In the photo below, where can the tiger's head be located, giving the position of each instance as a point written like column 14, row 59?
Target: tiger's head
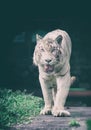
column 49, row 53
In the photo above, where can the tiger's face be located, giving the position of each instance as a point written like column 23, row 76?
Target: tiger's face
column 50, row 55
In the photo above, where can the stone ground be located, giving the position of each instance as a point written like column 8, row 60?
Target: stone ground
column 48, row 122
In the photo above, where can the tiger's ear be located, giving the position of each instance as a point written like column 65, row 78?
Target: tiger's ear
column 38, row 37
column 59, row 39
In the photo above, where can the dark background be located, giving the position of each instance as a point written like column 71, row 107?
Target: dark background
column 20, row 21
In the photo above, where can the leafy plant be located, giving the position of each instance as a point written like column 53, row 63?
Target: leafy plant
column 88, row 122
column 74, row 123
column 18, row 107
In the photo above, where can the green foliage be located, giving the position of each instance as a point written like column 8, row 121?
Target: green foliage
column 88, row 122
column 18, row 107
column 74, row 123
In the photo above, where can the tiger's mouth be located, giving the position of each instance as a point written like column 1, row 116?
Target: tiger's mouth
column 48, row 68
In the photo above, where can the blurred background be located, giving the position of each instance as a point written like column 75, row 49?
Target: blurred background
column 19, row 23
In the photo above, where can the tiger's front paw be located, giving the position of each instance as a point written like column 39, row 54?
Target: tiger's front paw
column 46, row 111
column 59, row 112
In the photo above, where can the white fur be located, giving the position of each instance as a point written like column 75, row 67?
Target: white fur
column 55, row 85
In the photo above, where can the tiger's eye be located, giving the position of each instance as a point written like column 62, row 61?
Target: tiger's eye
column 57, row 56
column 53, row 51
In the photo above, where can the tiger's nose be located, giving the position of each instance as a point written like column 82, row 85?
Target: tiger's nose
column 48, row 60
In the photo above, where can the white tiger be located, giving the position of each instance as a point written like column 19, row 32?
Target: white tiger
column 52, row 55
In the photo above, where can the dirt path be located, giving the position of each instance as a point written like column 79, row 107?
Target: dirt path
column 48, row 122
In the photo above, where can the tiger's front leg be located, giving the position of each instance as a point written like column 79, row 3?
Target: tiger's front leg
column 63, row 85
column 47, row 95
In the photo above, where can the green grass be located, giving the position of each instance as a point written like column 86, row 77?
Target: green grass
column 88, row 122
column 18, row 107
column 74, row 123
